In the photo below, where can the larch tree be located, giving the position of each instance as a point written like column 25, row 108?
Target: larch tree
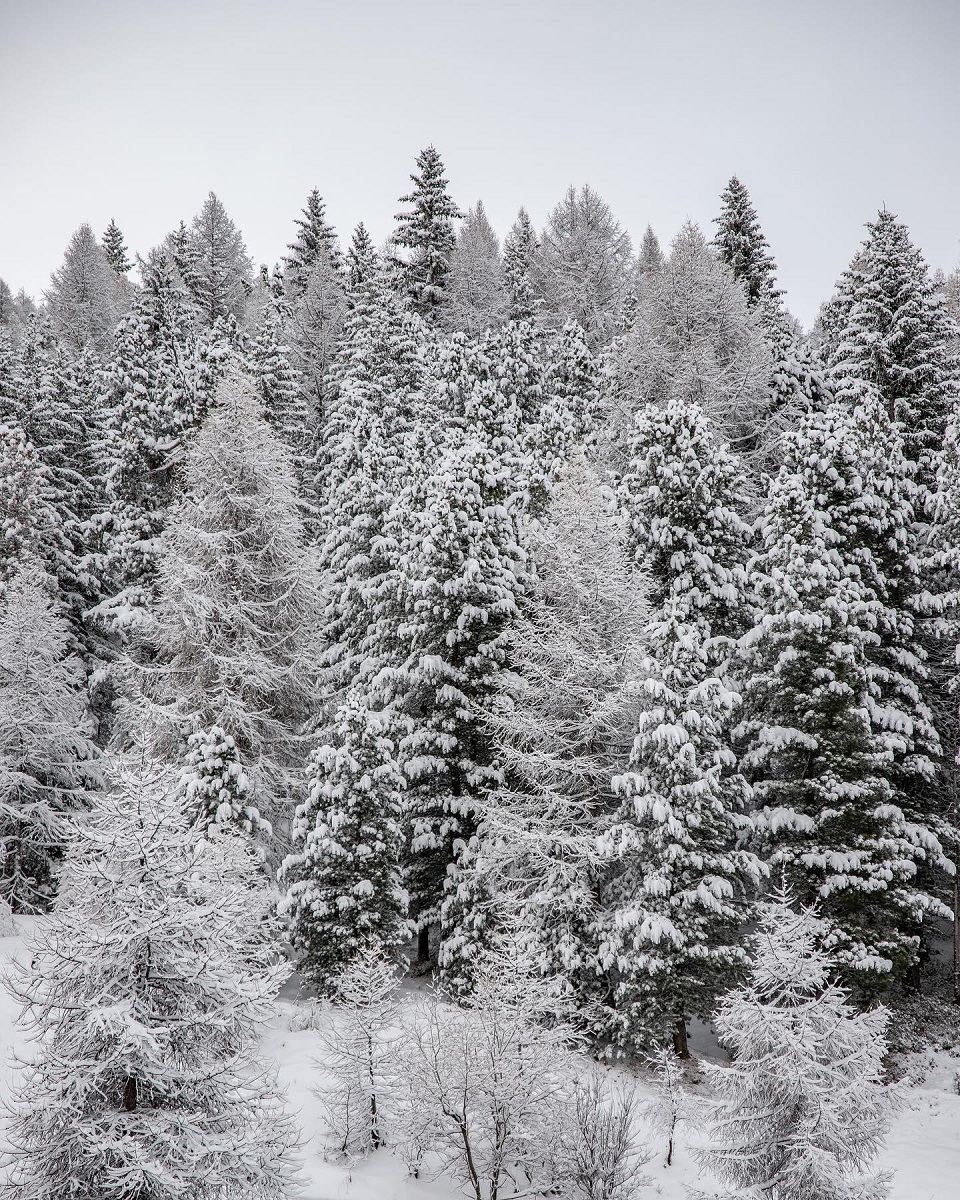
column 47, row 759
column 217, row 268
column 427, row 233
column 802, row 1111
column 650, row 258
column 232, row 642
column 583, row 267
column 475, row 293
column 85, row 298
column 341, row 880
column 145, row 992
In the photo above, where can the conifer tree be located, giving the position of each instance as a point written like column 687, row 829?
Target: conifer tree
column 427, row 233
column 28, row 524
column 145, row 992
column 682, row 886
column 115, row 249
column 475, row 296
column 85, row 298
column 583, row 266
column 316, row 239
column 888, row 328
column 518, row 251
column 277, row 383
column 741, row 244
column 216, row 267
column 650, row 258
column 802, row 1110
column 232, row 636
column 820, row 767
column 217, row 791
column 47, row 760
column 342, row 877
column 694, row 337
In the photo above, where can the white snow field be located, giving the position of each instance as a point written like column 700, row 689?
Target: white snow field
column 923, row 1147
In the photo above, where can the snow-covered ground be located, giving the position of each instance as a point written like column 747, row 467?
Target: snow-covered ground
column 923, row 1147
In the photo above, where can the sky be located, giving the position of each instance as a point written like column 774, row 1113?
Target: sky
column 825, row 109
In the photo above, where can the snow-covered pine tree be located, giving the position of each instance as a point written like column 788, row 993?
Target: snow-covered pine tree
column 741, row 244
column 820, row 769
column 519, row 248
column 583, row 266
column 475, row 296
column 28, row 522
column 681, row 886
column 683, row 496
column 313, row 324
column 277, row 383
column 115, row 249
column 427, row 234
column 315, row 239
column 232, row 639
column 563, row 728
column 342, row 877
column 216, row 267
column 803, row 1110
column 216, row 788
column 145, row 992
column 157, row 387
column 47, row 760
column 694, row 336
column 888, row 327
column 650, row 258
column 85, row 298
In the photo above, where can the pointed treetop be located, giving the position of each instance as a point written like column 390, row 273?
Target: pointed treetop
column 115, row 249
column 426, row 231
column 651, row 256
column 315, row 237
column 741, row 244
column 518, row 251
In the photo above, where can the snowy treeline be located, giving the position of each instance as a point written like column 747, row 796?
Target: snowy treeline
column 557, row 595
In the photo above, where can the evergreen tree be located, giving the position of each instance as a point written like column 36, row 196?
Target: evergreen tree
column 115, row 249
column 315, row 239
column 650, row 258
column 85, row 298
column 232, row 636
column 46, row 755
column 820, row 766
column 682, row 886
column 518, row 252
column 27, row 520
column 216, row 789
column 216, row 267
column 145, row 991
column 156, row 391
column 740, row 243
column 802, row 1110
column 475, row 296
column 887, row 327
column 342, row 878
column 427, row 233
column 277, row 383
column 583, row 266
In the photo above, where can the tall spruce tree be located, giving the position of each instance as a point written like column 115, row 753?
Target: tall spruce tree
column 741, row 244
column 518, row 251
column 427, row 234
column 315, row 240
column 115, row 249
column 215, row 265
column 85, row 298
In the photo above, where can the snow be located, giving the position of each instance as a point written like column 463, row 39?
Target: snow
column 923, row 1146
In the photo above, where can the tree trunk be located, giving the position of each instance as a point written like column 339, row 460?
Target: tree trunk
column 130, row 1094
column 423, row 944
column 680, row 1044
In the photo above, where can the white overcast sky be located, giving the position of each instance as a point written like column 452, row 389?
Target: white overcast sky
column 826, row 109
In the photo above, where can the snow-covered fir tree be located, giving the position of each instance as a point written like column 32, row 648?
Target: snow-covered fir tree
column 115, row 248
column 342, row 878
column 217, row 790
column 427, row 233
column 28, row 521
column 156, row 389
column 650, row 257
column 741, row 244
column 145, row 992
column 232, row 640
column 887, row 326
column 315, row 240
column 583, row 267
column 475, row 295
column 47, row 758
column 802, row 1112
column 821, row 768
column 682, row 886
column 519, row 248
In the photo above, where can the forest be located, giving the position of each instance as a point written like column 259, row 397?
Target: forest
column 541, row 652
